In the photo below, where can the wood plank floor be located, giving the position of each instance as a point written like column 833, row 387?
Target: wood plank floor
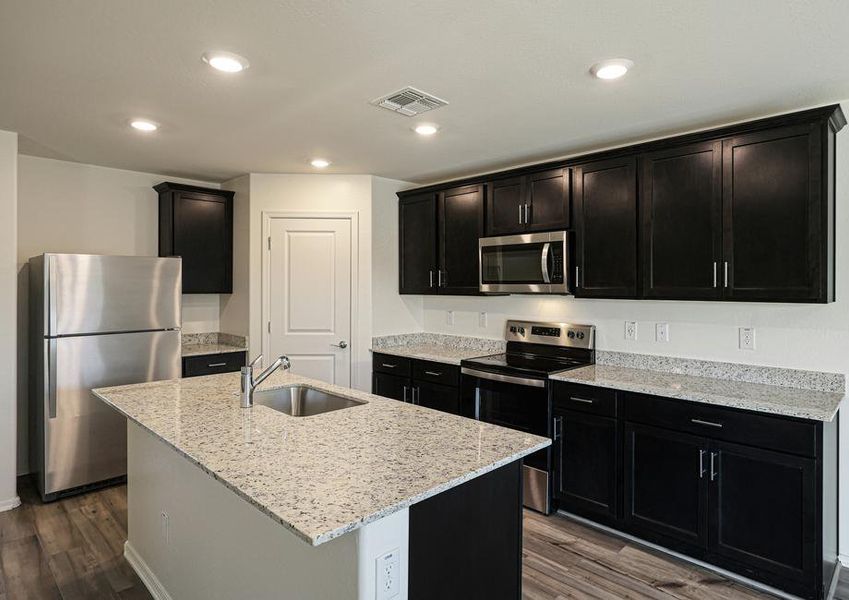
column 73, row 549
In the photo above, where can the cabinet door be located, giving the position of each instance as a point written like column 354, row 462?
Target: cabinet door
column 548, row 200
column 763, row 510
column 460, row 227
column 681, row 207
column 773, row 231
column 586, row 464
column 391, row 386
column 665, row 486
column 439, row 397
column 203, row 237
column 505, row 206
column 417, row 244
column 605, row 197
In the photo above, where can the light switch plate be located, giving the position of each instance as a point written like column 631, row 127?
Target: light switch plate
column 661, row 331
column 630, row 330
column 482, row 320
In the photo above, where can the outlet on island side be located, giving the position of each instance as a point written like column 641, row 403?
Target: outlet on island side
column 165, row 527
column 388, row 580
column 661, row 332
column 631, row 330
column 747, row 338
column 449, row 318
column 482, row 320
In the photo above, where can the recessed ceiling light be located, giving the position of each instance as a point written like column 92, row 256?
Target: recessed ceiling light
column 611, row 69
column 426, row 129
column 320, row 163
column 226, row 61
column 144, row 125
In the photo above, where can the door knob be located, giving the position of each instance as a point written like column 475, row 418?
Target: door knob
column 342, row 344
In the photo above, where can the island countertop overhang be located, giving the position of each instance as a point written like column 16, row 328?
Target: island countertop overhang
column 325, row 475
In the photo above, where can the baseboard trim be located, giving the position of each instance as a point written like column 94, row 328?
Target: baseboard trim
column 707, row 566
column 10, row 504
column 150, row 581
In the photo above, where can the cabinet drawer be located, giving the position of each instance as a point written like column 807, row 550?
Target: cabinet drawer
column 434, row 372
column 783, row 434
column 210, row 364
column 584, row 398
column 393, row 365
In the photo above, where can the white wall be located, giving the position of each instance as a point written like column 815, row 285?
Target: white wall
column 72, row 207
column 235, row 307
column 8, row 317
column 392, row 313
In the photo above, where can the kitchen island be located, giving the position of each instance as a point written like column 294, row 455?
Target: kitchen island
column 227, row 502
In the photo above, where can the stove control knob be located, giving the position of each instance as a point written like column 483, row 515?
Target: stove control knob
column 580, row 335
column 521, row 331
column 512, row 329
column 571, row 334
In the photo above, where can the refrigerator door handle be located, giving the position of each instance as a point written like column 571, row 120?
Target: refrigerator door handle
column 51, row 295
column 51, row 379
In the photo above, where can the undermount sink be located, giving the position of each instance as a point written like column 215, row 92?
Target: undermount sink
column 302, row 401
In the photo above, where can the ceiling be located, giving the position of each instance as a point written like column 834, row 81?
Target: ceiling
column 514, row 71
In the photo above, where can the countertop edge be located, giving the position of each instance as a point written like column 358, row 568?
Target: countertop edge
column 187, row 352
column 347, row 528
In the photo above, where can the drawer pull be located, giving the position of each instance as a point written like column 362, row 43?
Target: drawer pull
column 708, row 423
column 433, row 373
column 212, row 365
column 583, row 400
column 388, row 366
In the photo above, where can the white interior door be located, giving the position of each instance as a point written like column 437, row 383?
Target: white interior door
column 309, row 299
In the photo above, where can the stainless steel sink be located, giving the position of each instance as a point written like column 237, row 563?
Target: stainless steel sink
column 302, row 401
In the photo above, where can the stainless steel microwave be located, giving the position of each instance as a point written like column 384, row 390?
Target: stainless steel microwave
column 529, row 263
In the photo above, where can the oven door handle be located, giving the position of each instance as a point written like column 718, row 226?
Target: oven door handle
column 526, row 381
column 543, row 262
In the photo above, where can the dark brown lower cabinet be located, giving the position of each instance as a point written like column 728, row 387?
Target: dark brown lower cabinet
column 211, row 364
column 424, row 383
column 747, row 492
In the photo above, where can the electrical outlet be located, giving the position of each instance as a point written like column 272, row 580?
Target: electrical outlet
column 388, row 581
column 165, row 527
column 747, row 338
column 482, row 320
column 450, row 318
column 661, row 332
column 630, row 330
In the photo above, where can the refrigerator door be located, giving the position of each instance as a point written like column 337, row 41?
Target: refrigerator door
column 102, row 294
column 85, row 440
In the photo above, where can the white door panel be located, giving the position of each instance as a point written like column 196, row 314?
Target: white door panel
column 309, row 297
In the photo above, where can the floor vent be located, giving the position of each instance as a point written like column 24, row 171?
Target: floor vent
column 409, row 102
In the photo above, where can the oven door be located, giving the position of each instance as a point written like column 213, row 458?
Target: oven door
column 516, row 403
column 530, row 263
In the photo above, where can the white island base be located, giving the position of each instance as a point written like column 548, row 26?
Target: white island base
column 190, row 537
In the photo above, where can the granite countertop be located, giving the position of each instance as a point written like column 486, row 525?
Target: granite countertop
column 812, row 404
column 325, row 475
column 438, row 347
column 207, row 349
column 204, row 344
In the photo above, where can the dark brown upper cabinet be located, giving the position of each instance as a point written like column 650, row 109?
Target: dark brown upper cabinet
column 439, row 241
column 605, row 199
column 417, row 244
column 681, row 208
column 460, row 216
column 534, row 202
column 196, row 224
column 775, row 222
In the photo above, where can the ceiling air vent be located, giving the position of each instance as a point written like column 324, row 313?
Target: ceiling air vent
column 409, row 102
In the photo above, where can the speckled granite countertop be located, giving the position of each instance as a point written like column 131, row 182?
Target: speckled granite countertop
column 774, row 399
column 207, row 349
column 203, row 344
column 325, row 475
column 438, row 347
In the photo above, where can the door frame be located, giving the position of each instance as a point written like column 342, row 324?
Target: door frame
column 354, row 218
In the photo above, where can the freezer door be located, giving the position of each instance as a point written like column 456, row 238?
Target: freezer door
column 100, row 294
column 85, row 440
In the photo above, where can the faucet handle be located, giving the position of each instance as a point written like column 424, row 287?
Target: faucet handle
column 255, row 361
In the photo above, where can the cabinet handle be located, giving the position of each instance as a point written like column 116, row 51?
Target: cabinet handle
column 576, row 276
column 527, row 214
column 430, row 273
column 708, row 423
column 211, row 365
column 388, row 366
column 584, row 400
column 714, row 274
column 433, row 373
column 713, row 470
column 702, row 464
column 439, row 277
column 520, row 214
column 558, row 431
column 405, row 393
column 725, row 277
column 417, row 395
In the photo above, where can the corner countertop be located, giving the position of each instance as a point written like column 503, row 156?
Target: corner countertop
column 325, row 475
column 437, row 347
column 209, row 349
column 206, row 344
column 433, row 352
column 802, row 403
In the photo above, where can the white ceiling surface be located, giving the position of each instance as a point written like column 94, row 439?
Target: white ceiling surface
column 515, row 72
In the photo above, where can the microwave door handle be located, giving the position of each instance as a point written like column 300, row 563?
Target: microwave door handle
column 546, row 275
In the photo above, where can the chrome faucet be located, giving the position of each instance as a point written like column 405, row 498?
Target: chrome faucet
column 249, row 383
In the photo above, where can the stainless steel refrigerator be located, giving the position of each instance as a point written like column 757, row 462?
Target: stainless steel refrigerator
column 95, row 321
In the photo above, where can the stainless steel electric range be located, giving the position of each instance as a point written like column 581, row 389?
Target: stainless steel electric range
column 512, row 389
